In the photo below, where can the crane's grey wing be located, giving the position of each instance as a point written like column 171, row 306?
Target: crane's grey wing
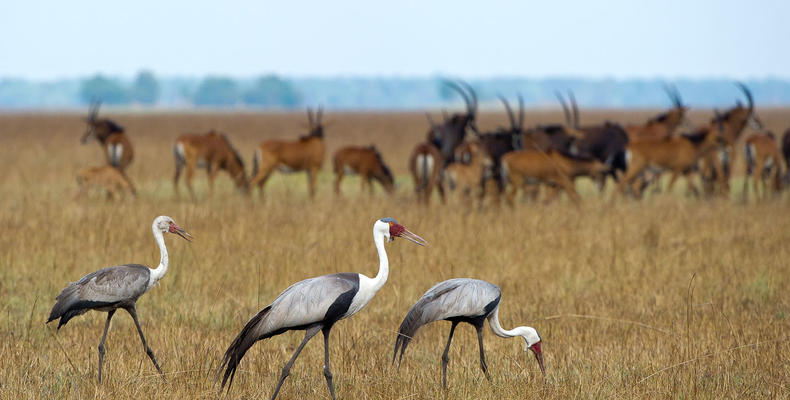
column 460, row 297
column 104, row 288
column 317, row 300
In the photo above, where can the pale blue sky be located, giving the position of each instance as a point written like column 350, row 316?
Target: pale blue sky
column 598, row 39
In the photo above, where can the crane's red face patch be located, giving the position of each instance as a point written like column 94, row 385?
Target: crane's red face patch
column 173, row 228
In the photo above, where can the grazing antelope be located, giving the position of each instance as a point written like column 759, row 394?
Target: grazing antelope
column 763, row 161
column 213, row 151
column 304, row 154
column 425, row 166
column 105, row 177
column 367, row 163
column 677, row 154
column 111, row 137
column 663, row 125
column 553, row 168
column 717, row 165
column 465, row 177
column 451, row 133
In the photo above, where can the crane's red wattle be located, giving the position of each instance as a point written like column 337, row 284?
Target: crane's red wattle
column 396, row 229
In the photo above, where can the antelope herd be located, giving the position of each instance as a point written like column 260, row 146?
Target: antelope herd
column 458, row 156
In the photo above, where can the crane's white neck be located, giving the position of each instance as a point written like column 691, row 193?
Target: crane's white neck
column 161, row 269
column 529, row 334
column 384, row 264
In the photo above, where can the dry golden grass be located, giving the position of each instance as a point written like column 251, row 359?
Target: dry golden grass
column 667, row 298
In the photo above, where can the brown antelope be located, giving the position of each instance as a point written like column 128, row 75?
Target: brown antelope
column 213, row 151
column 304, row 154
column 425, row 165
column 105, row 177
column 677, row 154
column 663, row 125
column 716, row 169
column 763, row 161
column 466, row 177
column 365, row 162
column 111, row 137
column 523, row 167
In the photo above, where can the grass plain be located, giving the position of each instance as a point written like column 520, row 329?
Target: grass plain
column 672, row 297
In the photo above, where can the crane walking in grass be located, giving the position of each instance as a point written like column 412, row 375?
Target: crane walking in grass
column 463, row 300
column 111, row 288
column 314, row 305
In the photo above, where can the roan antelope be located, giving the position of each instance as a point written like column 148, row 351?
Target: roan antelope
column 786, row 153
column 763, row 162
column 365, row 162
column 105, row 177
column 305, row 154
column 111, row 137
column 425, row 166
column 552, row 168
column 213, row 151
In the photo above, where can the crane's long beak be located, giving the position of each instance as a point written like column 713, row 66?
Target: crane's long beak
column 407, row 234
column 181, row 232
column 538, row 356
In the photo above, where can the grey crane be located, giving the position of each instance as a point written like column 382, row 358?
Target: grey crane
column 314, row 305
column 111, row 288
column 463, row 300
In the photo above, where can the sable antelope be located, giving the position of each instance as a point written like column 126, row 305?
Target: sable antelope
column 606, row 142
column 111, row 288
column 763, row 161
column 496, row 144
column 213, row 151
column 105, row 177
column 425, row 166
column 677, row 154
column 466, row 176
column 367, row 163
column 304, row 154
column 111, row 137
column 731, row 124
column 314, row 305
column 463, row 300
column 451, row 133
column 553, row 168
column 662, row 125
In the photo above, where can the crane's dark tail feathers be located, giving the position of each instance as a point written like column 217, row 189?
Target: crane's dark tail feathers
column 239, row 347
column 69, row 306
column 408, row 328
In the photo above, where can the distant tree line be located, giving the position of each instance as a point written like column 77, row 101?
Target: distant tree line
column 375, row 93
column 269, row 91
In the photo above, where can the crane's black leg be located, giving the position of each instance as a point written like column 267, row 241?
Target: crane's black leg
column 133, row 312
column 483, row 364
column 327, row 372
column 446, row 355
column 309, row 333
column 103, row 338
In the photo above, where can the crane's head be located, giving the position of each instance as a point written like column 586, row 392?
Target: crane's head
column 392, row 229
column 533, row 340
column 166, row 224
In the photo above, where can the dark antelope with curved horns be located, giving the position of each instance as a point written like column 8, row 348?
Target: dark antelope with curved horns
column 451, row 133
column 111, row 137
